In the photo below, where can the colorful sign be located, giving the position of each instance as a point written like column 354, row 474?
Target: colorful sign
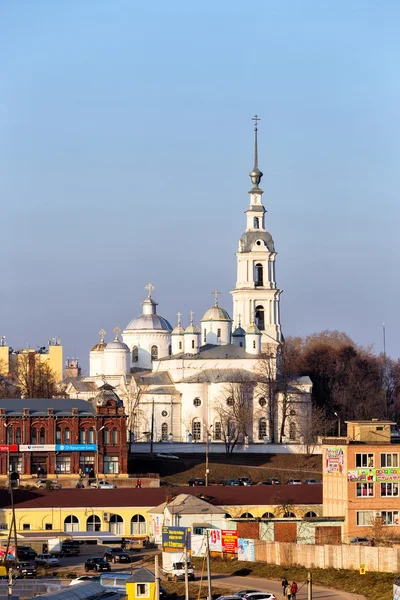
column 76, row 447
column 362, row 569
column 229, row 541
column 10, row 448
column 38, row 448
column 176, row 538
column 246, row 549
column 215, row 540
column 378, row 475
column 334, row 460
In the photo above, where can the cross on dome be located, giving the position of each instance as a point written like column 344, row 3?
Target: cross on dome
column 256, row 174
column 215, row 294
column 191, row 317
column 256, row 118
column 150, row 288
column 102, row 333
column 116, row 330
column 179, row 318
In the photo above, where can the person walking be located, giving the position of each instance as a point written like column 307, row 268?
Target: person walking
column 289, row 592
column 285, row 583
column 294, row 590
column 139, row 483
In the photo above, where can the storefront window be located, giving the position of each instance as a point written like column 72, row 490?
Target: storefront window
column 15, row 464
column 63, row 464
column 86, row 465
column 111, row 464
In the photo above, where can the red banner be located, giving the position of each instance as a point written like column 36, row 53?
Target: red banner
column 229, row 541
column 5, row 448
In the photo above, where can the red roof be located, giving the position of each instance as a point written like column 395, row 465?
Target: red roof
column 150, row 497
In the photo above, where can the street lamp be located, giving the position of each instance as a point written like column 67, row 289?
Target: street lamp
column 97, row 455
column 8, row 454
column 207, row 448
column 338, row 418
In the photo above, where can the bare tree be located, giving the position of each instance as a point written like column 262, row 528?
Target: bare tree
column 133, row 390
column 34, row 377
column 234, row 410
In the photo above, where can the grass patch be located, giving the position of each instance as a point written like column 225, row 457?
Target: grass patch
column 374, row 586
column 176, row 589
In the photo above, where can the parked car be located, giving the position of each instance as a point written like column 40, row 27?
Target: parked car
column 294, row 481
column 24, row 569
column 245, row 592
column 245, row 481
column 97, row 564
column 116, row 555
column 47, row 560
column 26, row 553
column 270, row 481
column 234, row 482
column 46, row 483
column 196, row 481
column 70, row 548
column 228, row 598
column 360, row 541
column 82, row 579
column 311, row 481
column 260, row 596
column 103, row 485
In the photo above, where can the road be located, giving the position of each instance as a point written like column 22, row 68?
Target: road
column 235, row 583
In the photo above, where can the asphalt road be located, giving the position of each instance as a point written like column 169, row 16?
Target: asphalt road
column 235, row 583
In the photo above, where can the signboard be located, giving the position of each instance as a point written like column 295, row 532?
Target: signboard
column 156, row 520
column 379, row 475
column 362, row 569
column 175, row 538
column 215, row 540
column 38, row 448
column 334, row 460
column 229, row 541
column 246, row 549
column 76, row 447
column 11, row 448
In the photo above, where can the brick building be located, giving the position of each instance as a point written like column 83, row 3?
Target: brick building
column 63, row 436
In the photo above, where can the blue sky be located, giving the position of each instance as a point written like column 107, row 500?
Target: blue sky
column 126, row 143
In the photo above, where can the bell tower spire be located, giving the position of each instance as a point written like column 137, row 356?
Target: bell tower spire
column 256, row 174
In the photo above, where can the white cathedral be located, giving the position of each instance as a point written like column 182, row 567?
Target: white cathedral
column 182, row 384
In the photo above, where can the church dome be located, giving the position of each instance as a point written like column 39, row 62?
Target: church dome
column 216, row 313
column 99, row 347
column 253, row 329
column 117, row 345
column 178, row 330
column 152, row 321
column 239, row 332
column 192, row 328
column 261, row 238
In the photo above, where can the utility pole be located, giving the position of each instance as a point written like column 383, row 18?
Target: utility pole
column 207, row 469
column 157, row 577
column 152, row 427
column 186, row 569
column 10, row 584
column 309, row 586
column 208, row 565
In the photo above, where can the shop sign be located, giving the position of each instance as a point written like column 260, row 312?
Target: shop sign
column 378, row 475
column 38, row 448
column 362, row 569
column 229, row 541
column 334, row 460
column 11, row 448
column 175, row 538
column 76, row 447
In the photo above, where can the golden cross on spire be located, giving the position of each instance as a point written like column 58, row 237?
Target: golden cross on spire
column 179, row 318
column 150, row 288
column 215, row 293
column 116, row 330
column 191, row 317
column 102, row 333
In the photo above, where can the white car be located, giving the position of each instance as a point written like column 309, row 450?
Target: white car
column 47, row 560
column 103, row 485
column 260, row 596
column 83, row 579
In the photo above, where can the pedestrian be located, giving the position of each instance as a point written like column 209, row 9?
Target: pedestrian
column 285, row 583
column 289, row 592
column 139, row 483
column 294, row 590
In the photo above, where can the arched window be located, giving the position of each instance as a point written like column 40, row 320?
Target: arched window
column 58, row 435
column 67, row 435
column 180, row 345
column 229, row 401
column 116, row 525
column 135, row 354
column 18, row 435
column 218, row 333
column 262, row 428
column 246, row 515
column 164, row 432
column 289, row 515
column 9, row 434
column 82, row 436
column 228, row 516
column 256, row 223
column 259, row 275
column 106, row 436
column 196, row 430
column 42, row 435
column 93, row 523
column 138, row 525
column 154, row 352
column 91, row 435
column 292, row 431
column 115, row 436
column 260, row 318
column 254, row 344
column 217, row 430
column 268, row 515
column 310, row 514
column 34, row 436
column 192, row 344
column 262, row 402
column 169, row 350
column 71, row 523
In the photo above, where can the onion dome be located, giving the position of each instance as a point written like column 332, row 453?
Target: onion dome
column 116, row 344
column 216, row 313
column 253, row 330
column 192, row 328
column 149, row 319
column 178, row 330
column 102, row 344
column 239, row 332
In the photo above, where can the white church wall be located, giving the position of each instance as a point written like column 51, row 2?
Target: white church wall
column 144, row 341
column 96, row 363
column 217, row 333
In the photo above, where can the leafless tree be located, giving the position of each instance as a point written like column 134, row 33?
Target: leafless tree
column 34, row 377
column 133, row 390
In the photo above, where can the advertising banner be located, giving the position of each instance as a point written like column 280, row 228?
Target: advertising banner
column 175, row 538
column 379, row 475
column 246, row 549
column 334, row 460
column 11, row 448
column 156, row 519
column 215, row 540
column 38, row 448
column 76, row 447
column 229, row 541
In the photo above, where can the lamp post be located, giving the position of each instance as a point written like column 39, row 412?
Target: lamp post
column 97, row 455
column 207, row 449
column 338, row 418
column 8, row 454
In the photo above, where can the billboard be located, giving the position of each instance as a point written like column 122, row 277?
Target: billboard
column 246, row 549
column 229, row 539
column 379, row 475
column 215, row 540
column 334, row 460
column 176, row 538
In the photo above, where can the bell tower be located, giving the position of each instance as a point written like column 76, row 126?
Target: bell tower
column 256, row 297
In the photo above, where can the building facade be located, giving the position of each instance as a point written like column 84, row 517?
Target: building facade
column 12, row 360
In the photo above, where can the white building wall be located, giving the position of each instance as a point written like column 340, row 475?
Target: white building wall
column 211, row 329
column 144, row 340
column 116, row 362
column 96, row 363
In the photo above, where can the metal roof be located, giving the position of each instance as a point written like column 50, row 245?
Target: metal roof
column 40, row 406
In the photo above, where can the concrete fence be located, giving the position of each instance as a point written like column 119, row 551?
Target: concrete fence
column 385, row 560
column 219, row 448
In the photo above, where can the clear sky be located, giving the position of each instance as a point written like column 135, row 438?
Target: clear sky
column 125, row 147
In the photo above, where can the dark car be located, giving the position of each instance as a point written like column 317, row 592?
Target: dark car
column 196, row 481
column 25, row 569
column 116, row 555
column 70, row 549
column 163, row 594
column 97, row 564
column 311, row 481
column 234, row 482
column 270, row 481
column 360, row 541
column 26, row 553
column 245, row 481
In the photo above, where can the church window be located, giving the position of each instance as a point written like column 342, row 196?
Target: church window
column 67, row 435
column 180, row 345
column 292, row 431
column 262, row 402
column 18, row 435
column 164, row 432
column 154, row 353
column 58, row 435
column 196, row 430
column 192, row 344
column 254, row 344
column 260, row 318
column 115, row 436
column 217, row 431
column 218, row 333
column 229, row 401
column 82, row 436
column 9, row 434
column 106, row 435
column 256, row 223
column 135, row 354
column 169, row 350
column 262, row 428
column 91, row 436
column 241, row 344
column 197, row 402
column 42, row 436
column 259, row 275
column 205, row 335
